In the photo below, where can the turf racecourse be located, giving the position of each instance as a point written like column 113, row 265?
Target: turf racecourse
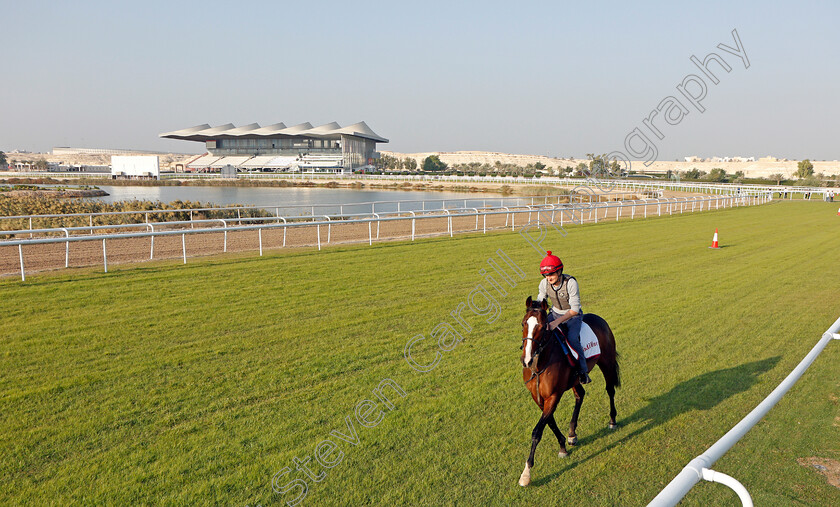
column 196, row 384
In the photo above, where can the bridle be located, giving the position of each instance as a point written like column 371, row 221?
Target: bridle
column 541, row 344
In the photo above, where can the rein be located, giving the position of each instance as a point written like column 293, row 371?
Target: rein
column 535, row 373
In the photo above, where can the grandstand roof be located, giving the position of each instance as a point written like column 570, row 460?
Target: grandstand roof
column 329, row 130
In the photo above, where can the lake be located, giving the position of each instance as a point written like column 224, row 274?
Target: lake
column 289, row 197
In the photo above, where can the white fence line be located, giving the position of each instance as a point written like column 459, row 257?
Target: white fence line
column 674, row 184
column 694, row 186
column 400, row 205
column 700, row 467
column 589, row 212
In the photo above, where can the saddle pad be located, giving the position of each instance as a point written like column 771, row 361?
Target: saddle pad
column 589, row 342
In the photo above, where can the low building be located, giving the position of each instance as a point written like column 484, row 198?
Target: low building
column 140, row 167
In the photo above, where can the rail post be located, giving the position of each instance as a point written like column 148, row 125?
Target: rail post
column 224, row 225
column 104, row 255
column 284, row 231
column 184, row 246
column 152, row 249
column 22, row 272
column 66, row 248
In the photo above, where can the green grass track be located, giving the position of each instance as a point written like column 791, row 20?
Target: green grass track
column 194, row 385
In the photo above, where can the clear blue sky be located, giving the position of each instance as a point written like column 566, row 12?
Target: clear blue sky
column 550, row 78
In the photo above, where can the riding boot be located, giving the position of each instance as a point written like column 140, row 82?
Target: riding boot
column 583, row 376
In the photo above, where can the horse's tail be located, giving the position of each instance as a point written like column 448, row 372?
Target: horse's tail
column 617, row 375
column 614, row 377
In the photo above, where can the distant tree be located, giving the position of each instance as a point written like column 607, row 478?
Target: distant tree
column 41, row 165
column 811, row 181
column 581, row 169
column 381, row 162
column 805, row 169
column 602, row 166
column 410, row 163
column 739, row 175
column 717, row 174
column 432, row 163
column 539, row 166
column 388, row 162
column 692, row 174
column 3, row 163
column 778, row 177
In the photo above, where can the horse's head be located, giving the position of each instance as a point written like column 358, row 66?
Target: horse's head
column 533, row 330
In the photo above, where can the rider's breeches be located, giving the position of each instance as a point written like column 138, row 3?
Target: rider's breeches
column 574, row 339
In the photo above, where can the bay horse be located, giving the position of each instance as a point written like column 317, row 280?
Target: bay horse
column 547, row 374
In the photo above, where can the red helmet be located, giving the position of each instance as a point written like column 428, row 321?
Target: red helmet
column 551, row 264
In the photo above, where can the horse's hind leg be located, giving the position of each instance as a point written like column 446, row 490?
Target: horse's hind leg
column 611, row 392
column 611, row 376
column 560, row 438
column 580, row 392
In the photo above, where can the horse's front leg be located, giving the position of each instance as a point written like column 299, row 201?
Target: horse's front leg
column 548, row 411
column 580, row 392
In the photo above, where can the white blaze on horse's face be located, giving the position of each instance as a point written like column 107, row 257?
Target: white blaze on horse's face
column 529, row 344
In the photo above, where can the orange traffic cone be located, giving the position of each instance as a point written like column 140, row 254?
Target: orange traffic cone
column 838, row 212
column 715, row 240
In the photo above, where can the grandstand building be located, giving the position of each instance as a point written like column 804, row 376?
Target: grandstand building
column 300, row 148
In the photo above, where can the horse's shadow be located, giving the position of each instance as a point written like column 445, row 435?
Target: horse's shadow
column 700, row 393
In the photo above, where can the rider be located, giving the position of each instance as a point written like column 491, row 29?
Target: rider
column 562, row 291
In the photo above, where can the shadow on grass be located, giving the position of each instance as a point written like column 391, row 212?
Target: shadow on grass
column 703, row 392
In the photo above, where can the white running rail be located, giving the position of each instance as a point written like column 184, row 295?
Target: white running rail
column 701, row 466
